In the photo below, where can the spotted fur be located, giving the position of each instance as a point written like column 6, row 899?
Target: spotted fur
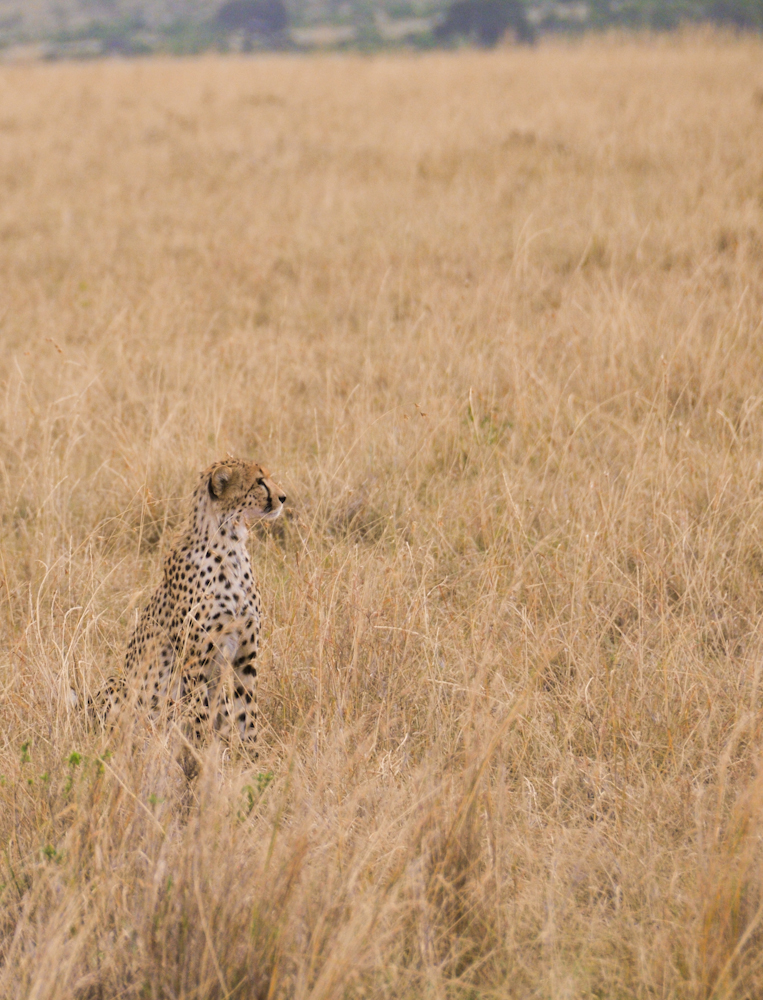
column 194, row 649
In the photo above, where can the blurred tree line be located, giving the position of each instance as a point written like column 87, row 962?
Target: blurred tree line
column 95, row 27
column 667, row 14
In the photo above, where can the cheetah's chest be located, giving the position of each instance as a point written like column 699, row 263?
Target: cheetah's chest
column 225, row 578
column 207, row 587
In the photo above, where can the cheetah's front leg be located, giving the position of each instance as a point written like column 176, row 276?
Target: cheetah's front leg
column 233, row 666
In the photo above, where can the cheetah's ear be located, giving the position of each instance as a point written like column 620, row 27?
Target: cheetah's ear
column 222, row 479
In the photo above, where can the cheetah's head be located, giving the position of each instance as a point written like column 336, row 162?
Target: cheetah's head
column 242, row 491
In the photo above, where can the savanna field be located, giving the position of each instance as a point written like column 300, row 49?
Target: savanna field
column 494, row 321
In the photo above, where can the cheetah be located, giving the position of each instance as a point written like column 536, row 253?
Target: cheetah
column 195, row 645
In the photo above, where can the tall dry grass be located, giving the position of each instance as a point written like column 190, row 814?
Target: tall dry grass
column 494, row 321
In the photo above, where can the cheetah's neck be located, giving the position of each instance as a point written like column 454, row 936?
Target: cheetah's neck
column 216, row 529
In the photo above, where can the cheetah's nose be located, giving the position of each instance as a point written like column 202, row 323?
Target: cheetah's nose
column 282, row 497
